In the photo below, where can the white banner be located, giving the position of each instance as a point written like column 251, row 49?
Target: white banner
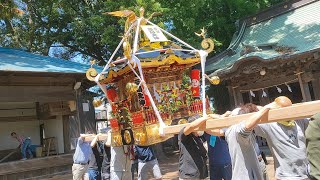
column 154, row 34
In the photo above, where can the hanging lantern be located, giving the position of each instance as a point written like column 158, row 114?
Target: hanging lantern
column 195, row 77
column 215, row 80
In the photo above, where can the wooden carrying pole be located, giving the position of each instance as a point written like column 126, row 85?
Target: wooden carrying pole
column 294, row 112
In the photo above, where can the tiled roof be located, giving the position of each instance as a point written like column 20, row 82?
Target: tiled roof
column 297, row 30
column 19, row 60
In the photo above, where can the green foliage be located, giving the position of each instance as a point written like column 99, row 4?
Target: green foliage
column 80, row 26
column 218, row 17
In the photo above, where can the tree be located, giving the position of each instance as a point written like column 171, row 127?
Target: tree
column 217, row 16
column 8, row 11
column 80, row 27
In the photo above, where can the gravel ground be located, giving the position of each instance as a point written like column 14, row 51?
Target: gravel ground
column 169, row 169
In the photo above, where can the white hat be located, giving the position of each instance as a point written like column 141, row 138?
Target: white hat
column 235, row 112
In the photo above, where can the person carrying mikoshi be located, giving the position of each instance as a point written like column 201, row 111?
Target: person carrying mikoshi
column 81, row 157
column 245, row 165
column 193, row 155
column 287, row 142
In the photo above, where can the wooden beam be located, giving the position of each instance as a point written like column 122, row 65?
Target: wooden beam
column 18, row 119
column 296, row 111
column 36, row 93
column 35, row 164
column 102, row 137
column 28, row 80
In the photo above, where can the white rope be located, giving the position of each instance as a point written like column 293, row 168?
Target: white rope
column 187, row 50
column 104, row 88
column 118, row 47
column 136, row 37
column 146, row 90
column 203, row 56
column 140, row 53
column 258, row 89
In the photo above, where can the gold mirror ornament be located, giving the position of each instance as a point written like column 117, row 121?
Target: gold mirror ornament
column 127, row 137
column 215, row 80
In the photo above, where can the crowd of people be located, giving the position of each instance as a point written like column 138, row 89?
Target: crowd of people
column 232, row 153
column 98, row 160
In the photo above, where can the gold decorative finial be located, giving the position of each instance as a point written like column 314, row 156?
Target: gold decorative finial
column 203, row 33
column 141, row 10
column 207, row 43
column 130, row 15
column 92, row 62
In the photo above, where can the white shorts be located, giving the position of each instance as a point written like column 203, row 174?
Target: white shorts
column 144, row 168
column 120, row 175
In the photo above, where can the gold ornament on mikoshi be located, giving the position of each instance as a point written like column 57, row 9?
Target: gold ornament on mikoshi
column 91, row 74
column 141, row 137
column 131, row 88
column 96, row 102
column 183, row 121
column 215, row 80
column 207, row 44
column 127, row 137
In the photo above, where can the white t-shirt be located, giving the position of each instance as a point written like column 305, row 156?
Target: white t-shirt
column 120, row 161
column 288, row 148
column 245, row 165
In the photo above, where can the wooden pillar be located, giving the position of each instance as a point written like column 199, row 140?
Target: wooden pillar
column 316, row 88
column 231, row 97
column 238, row 97
column 66, row 134
column 234, row 94
column 305, row 91
column 250, row 98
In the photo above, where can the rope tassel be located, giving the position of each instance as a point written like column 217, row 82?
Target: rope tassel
column 252, row 94
column 279, row 89
column 264, row 94
column 289, row 88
